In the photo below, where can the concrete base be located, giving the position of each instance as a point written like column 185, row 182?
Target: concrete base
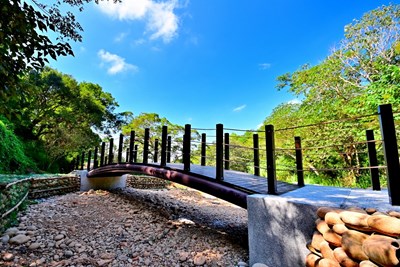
column 279, row 230
column 105, row 183
column 280, row 226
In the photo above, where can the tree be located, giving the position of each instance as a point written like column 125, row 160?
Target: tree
column 62, row 114
column 359, row 75
column 155, row 123
column 24, row 44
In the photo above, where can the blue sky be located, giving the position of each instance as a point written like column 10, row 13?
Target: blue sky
column 205, row 62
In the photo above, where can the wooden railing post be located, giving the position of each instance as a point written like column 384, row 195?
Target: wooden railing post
column 135, row 153
column 256, row 155
column 131, row 146
column 95, row 160
column 111, row 151
column 169, row 146
column 373, row 160
column 164, row 136
column 146, row 145
column 155, row 156
column 102, row 153
column 127, row 156
column 89, row 159
column 388, row 133
column 82, row 159
column 299, row 161
column 120, row 145
column 203, row 149
column 77, row 162
column 270, row 148
column 226, row 151
column 219, row 146
column 186, row 147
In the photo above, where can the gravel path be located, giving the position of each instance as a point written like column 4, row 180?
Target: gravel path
column 129, row 227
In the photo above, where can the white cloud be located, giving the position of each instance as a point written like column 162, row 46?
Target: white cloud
column 264, row 66
column 120, row 37
column 161, row 21
column 240, row 108
column 115, row 64
column 294, row 101
column 139, row 41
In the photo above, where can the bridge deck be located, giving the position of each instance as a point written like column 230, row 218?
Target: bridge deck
column 247, row 181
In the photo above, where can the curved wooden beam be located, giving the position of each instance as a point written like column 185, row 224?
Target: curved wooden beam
column 202, row 183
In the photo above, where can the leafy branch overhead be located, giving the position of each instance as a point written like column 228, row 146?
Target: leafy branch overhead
column 24, row 41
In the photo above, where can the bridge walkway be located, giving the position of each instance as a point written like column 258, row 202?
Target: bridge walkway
column 248, row 182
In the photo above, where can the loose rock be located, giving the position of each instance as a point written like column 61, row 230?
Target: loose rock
column 129, row 228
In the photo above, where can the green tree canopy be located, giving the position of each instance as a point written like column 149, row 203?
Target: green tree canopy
column 360, row 74
column 62, row 114
column 24, row 41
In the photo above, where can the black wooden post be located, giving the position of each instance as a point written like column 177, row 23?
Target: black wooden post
column 155, row 158
column 299, row 161
column 95, row 156
column 135, row 153
column 89, row 159
column 121, row 142
column 131, row 146
column 110, row 151
column 82, row 159
column 164, row 136
column 270, row 147
column 203, row 149
column 186, row 147
column 219, row 146
column 226, row 151
column 169, row 145
column 256, row 155
column 146, row 145
column 77, row 162
column 373, row 160
column 102, row 153
column 127, row 155
column 388, row 132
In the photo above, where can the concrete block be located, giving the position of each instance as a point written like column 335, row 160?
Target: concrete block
column 104, row 183
column 279, row 230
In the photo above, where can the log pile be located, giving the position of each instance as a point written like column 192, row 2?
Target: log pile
column 355, row 237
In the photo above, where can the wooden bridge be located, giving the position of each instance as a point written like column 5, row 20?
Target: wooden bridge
column 219, row 180
column 234, row 187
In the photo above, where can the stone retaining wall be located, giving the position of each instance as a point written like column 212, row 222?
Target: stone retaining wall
column 46, row 187
column 13, row 195
column 355, row 237
column 146, row 182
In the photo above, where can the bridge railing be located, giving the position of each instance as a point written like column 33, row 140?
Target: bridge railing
column 268, row 151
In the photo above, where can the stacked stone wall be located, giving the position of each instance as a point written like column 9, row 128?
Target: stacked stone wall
column 146, row 182
column 14, row 194
column 355, row 237
column 46, row 187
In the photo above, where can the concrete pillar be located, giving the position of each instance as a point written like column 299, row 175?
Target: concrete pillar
column 104, row 183
column 279, row 230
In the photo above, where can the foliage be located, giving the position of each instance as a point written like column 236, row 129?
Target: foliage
column 24, row 41
column 154, row 123
column 360, row 74
column 12, row 154
column 57, row 116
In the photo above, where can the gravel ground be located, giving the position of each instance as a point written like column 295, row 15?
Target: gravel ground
column 128, row 227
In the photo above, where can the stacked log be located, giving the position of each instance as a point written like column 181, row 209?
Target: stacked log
column 355, row 237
